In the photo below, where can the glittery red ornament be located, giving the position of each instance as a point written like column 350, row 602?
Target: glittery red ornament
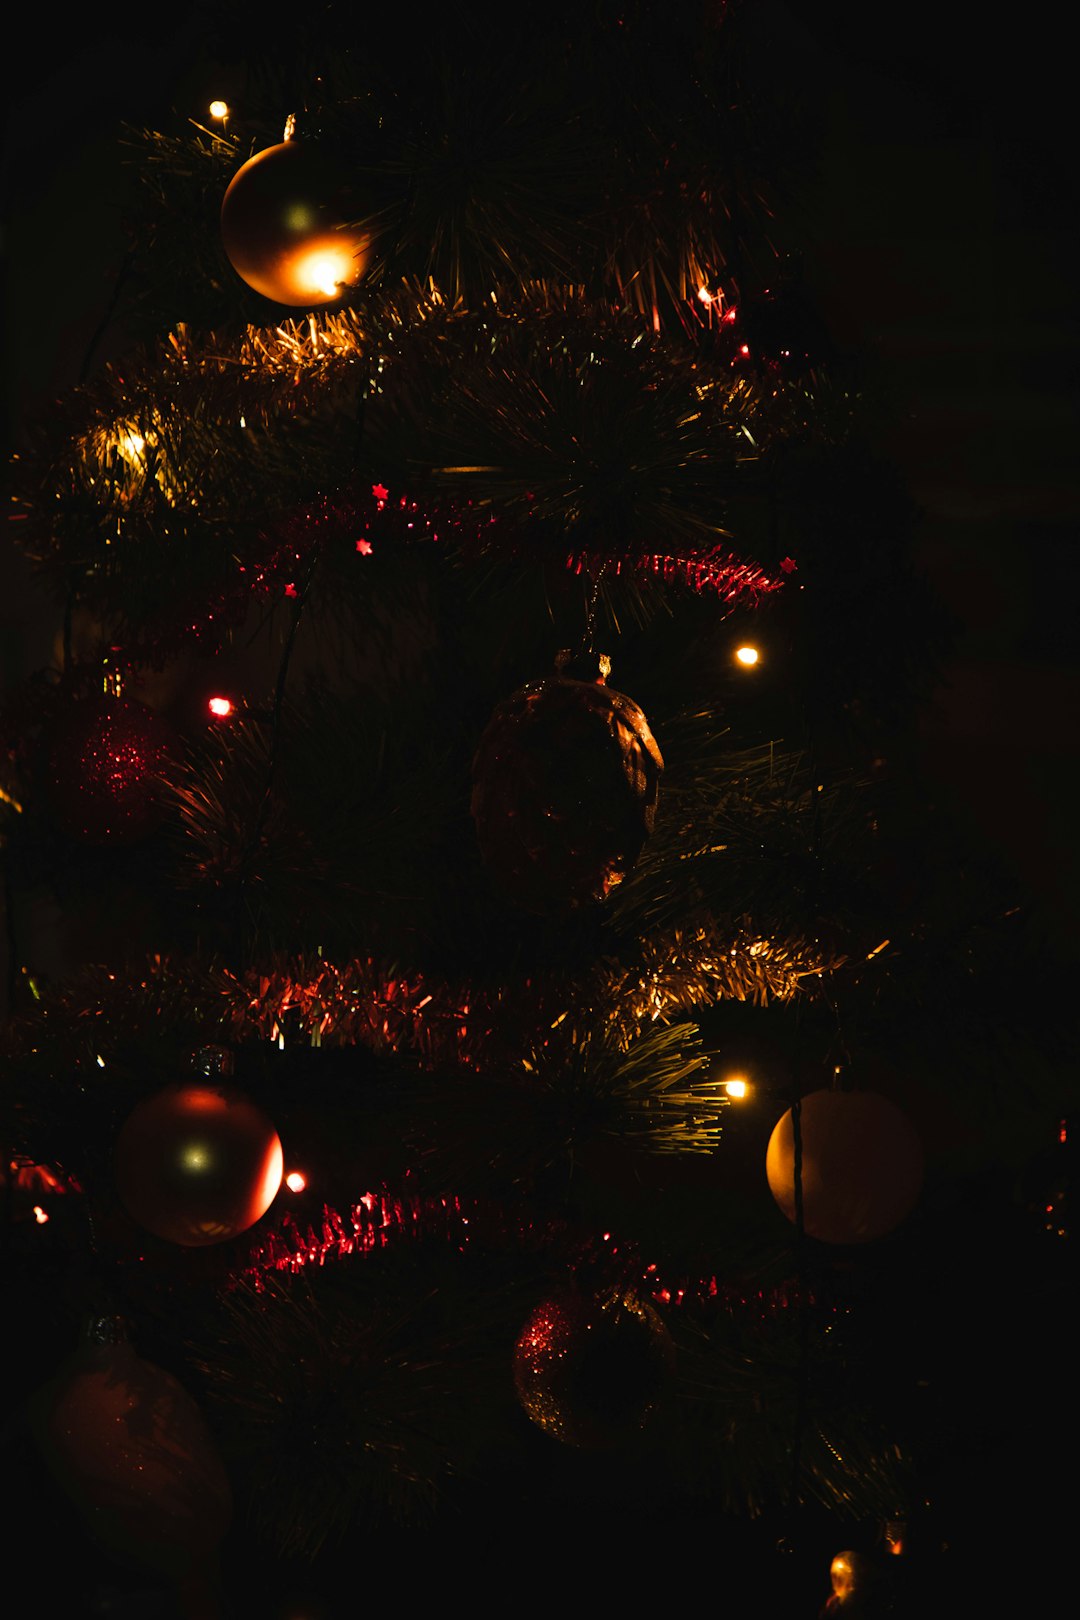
column 197, row 1164
column 565, row 784
column 130, row 1449
column 862, row 1166
column 288, row 228
column 106, row 761
column 589, row 1371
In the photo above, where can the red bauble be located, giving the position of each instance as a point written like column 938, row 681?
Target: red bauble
column 131, row 1450
column 196, row 1164
column 286, row 227
column 565, row 784
column 589, row 1371
column 106, row 762
column 862, row 1166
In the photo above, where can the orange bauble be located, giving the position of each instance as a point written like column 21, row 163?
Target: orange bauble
column 287, row 227
column 197, row 1165
column 862, row 1166
column 131, row 1450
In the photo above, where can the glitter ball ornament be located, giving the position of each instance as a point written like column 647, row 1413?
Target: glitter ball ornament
column 197, row 1164
column 862, row 1166
column 105, row 766
column 130, row 1449
column 589, row 1371
column 289, row 229
column 565, row 784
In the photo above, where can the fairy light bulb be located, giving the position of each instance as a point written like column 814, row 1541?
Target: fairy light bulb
column 131, row 445
column 737, row 1087
column 747, row 655
column 219, row 109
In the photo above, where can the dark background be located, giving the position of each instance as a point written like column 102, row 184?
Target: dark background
column 935, row 209
column 936, row 213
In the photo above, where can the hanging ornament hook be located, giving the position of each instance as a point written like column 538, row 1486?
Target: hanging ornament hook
column 588, row 639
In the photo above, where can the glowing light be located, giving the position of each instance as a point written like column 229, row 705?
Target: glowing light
column 220, row 706
column 326, row 271
column 737, row 1086
column 705, row 295
column 40, row 1215
column 301, row 218
column 844, row 1573
column 6, row 798
column 196, row 1157
column 295, row 1181
column 131, row 445
column 747, row 656
column 219, row 109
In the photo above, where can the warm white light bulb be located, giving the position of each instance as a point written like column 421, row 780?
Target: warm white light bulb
column 747, row 656
column 132, row 445
column 219, row 109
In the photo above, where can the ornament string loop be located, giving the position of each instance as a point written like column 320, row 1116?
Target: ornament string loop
column 588, row 639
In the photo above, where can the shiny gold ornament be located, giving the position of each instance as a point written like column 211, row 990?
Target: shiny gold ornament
column 197, row 1164
column 589, row 1371
column 565, row 784
column 289, row 228
column 862, row 1166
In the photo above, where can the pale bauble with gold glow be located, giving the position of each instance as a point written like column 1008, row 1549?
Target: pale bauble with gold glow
column 862, row 1166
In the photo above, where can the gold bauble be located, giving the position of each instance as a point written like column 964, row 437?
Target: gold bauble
column 288, row 227
column 862, row 1166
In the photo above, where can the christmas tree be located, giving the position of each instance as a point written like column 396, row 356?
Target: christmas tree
column 514, row 1066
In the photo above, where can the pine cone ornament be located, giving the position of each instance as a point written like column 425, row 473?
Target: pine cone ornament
column 565, row 784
